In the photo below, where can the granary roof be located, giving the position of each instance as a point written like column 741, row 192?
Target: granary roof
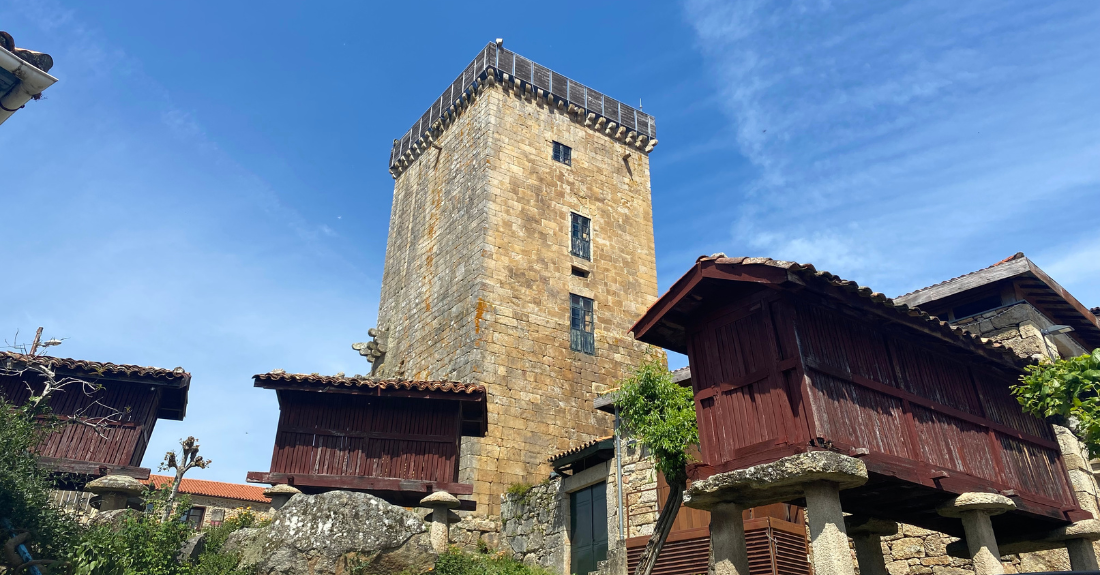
column 1039, row 289
column 207, row 488
column 173, row 404
column 278, row 378
column 495, row 61
column 98, row 368
column 657, row 328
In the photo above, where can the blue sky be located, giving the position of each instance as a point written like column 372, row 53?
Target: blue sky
column 206, row 185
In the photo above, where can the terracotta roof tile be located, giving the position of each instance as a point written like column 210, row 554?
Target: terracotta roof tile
column 1013, row 257
column 213, row 488
column 910, row 314
column 579, row 448
column 103, row 368
column 364, row 381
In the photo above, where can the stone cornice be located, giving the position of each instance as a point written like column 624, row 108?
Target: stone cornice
column 509, row 84
column 495, row 66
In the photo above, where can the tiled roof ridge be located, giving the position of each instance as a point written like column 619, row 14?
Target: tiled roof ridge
column 383, row 383
column 1013, row 257
column 914, row 313
column 495, row 65
column 208, row 488
column 579, row 448
column 101, row 367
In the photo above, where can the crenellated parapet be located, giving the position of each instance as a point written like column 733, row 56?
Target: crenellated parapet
column 494, row 66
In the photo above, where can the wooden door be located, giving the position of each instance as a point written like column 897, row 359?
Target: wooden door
column 588, row 528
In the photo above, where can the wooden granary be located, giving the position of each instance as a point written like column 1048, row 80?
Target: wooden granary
column 394, row 438
column 141, row 395
column 786, row 359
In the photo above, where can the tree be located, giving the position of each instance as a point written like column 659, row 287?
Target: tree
column 1066, row 389
column 190, row 460
column 661, row 416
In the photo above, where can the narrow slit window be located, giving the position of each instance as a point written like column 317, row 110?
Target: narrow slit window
column 563, row 153
column 581, row 245
column 582, row 320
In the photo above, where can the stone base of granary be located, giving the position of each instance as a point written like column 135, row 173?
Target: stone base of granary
column 917, row 551
column 817, row 476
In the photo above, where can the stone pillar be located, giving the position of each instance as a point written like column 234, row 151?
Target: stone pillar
column 975, row 509
column 1082, row 555
column 115, row 490
column 828, row 537
column 727, row 540
column 280, row 495
column 866, row 534
column 441, row 503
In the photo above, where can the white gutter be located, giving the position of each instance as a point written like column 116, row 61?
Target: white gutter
column 31, row 81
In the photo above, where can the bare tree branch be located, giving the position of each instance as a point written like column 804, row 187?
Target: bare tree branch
column 190, row 460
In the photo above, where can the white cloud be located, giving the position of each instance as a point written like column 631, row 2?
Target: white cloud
column 896, row 143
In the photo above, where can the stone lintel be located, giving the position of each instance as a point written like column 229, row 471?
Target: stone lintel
column 776, row 482
column 990, row 503
column 857, row 525
column 1088, row 529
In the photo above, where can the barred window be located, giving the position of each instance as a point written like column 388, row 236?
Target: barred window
column 581, row 325
column 563, row 153
column 581, row 245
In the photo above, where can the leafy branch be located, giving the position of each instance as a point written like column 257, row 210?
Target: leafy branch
column 661, row 415
column 1068, row 389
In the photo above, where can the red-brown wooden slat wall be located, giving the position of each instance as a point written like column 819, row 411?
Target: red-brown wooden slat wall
column 315, row 437
column 123, row 444
column 868, row 388
column 856, row 415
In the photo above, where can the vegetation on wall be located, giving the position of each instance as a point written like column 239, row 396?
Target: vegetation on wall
column 660, row 415
column 1068, row 390
column 455, row 562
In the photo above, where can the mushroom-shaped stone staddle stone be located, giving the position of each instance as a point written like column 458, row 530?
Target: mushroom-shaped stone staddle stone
column 441, row 504
column 114, row 490
column 280, row 494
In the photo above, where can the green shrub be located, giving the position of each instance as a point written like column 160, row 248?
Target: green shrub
column 1066, row 389
column 25, row 488
column 519, row 490
column 455, row 562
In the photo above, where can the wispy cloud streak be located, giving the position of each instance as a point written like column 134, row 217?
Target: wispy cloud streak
column 902, row 143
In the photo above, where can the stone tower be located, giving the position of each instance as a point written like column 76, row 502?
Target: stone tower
column 483, row 273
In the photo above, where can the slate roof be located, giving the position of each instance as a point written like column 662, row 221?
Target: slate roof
column 811, row 276
column 104, row 369
column 358, row 381
column 212, row 488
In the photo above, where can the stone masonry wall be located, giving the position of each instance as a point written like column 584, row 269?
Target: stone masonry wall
column 1018, row 326
column 478, row 277
column 535, row 526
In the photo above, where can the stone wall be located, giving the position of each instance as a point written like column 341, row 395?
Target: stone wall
column 478, row 276
column 1018, row 327
column 535, row 526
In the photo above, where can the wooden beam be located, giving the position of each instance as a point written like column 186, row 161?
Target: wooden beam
column 375, row 391
column 93, row 468
column 359, row 482
column 367, row 434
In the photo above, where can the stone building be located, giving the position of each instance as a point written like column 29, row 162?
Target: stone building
column 212, row 502
column 520, row 251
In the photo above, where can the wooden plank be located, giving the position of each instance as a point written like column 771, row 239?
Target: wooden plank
column 91, row 468
column 360, row 483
